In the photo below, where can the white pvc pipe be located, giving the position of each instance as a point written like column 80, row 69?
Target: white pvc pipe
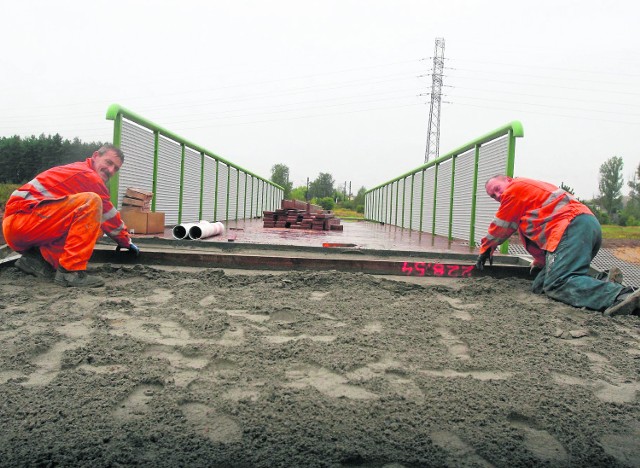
column 205, row 229
column 181, row 231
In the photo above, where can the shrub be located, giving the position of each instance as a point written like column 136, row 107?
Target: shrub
column 327, row 203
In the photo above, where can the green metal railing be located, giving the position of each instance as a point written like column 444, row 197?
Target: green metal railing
column 118, row 113
column 384, row 202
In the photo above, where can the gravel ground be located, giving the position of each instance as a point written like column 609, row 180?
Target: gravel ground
column 202, row 368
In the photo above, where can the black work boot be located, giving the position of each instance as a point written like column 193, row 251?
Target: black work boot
column 32, row 263
column 77, row 279
column 627, row 303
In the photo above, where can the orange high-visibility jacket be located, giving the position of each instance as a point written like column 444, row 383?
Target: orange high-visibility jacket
column 539, row 211
column 70, row 179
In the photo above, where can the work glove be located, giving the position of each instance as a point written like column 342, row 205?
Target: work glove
column 133, row 250
column 482, row 259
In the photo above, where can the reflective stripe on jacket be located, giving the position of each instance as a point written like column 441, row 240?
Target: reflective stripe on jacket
column 70, row 179
column 539, row 211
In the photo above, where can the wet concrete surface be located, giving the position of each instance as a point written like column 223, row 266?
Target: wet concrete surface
column 359, row 234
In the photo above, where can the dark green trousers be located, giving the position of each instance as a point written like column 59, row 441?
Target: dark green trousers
column 565, row 277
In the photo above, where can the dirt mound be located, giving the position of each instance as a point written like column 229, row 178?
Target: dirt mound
column 202, row 368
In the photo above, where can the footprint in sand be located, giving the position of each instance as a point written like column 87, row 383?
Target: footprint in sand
column 604, row 391
column 538, row 441
column 209, row 423
column 623, row 445
column 459, row 452
column 456, row 347
column 149, row 330
column 136, row 405
column 326, row 382
column 318, row 295
column 279, row 339
column 49, row 363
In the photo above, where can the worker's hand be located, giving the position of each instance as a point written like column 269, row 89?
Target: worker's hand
column 133, row 250
column 535, row 267
column 482, row 259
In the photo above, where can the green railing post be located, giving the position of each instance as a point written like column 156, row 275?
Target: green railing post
column 181, row 184
column 435, row 198
column 244, row 204
column 252, row 197
column 474, row 195
column 215, row 202
column 114, row 182
column 156, row 151
column 404, row 199
column 413, row 181
column 451, row 192
column 422, row 201
column 228, row 189
column 395, row 219
column 201, row 185
column 237, row 192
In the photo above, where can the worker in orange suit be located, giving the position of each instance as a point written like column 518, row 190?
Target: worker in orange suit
column 563, row 237
column 55, row 220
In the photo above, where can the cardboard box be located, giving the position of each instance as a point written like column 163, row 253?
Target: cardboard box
column 136, row 203
column 141, row 222
column 155, row 222
column 140, row 194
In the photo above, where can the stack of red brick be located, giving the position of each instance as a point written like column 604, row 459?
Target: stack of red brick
column 313, row 217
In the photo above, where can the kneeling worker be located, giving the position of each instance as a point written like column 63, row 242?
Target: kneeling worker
column 55, row 220
column 563, row 236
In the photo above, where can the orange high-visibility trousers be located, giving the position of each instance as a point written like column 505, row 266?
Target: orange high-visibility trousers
column 66, row 229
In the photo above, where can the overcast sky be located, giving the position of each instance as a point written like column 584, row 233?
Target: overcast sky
column 334, row 85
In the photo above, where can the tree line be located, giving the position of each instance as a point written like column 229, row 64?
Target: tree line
column 21, row 159
column 320, row 191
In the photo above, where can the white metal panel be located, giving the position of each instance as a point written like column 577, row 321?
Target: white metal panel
column 221, row 207
column 373, row 214
column 406, row 202
column 427, row 199
column 256, row 195
column 384, row 203
column 374, row 205
column 233, row 193
column 417, row 200
column 209, row 189
column 241, row 194
column 191, row 186
column 278, row 201
column 443, row 198
column 168, row 183
column 248, row 213
column 388, row 191
column 393, row 204
column 492, row 161
column 137, row 144
column 462, row 195
column 259, row 198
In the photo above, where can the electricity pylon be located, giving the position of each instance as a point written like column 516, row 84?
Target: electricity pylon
column 433, row 132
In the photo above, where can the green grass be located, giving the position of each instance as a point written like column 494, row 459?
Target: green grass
column 612, row 231
column 346, row 214
column 5, row 192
